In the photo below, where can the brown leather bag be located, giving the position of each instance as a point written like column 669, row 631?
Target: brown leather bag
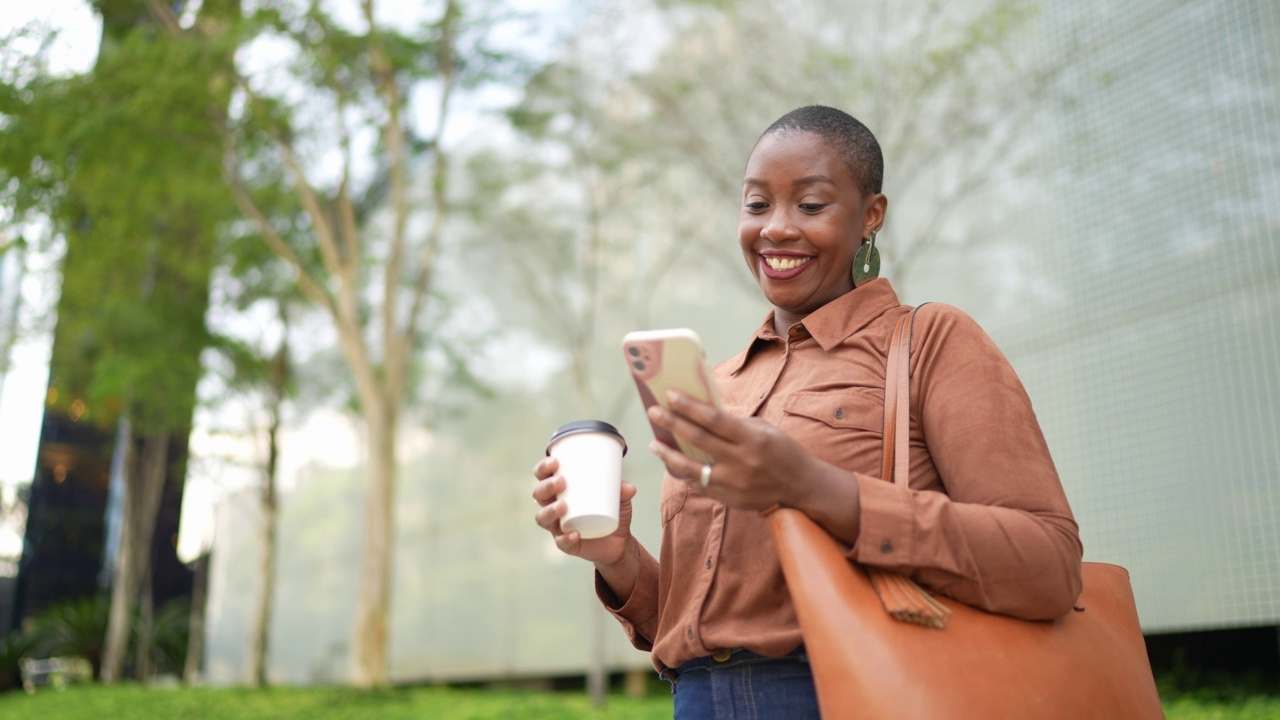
column 981, row 666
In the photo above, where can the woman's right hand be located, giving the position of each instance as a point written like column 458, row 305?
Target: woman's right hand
column 610, row 550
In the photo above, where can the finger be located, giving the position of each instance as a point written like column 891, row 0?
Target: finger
column 546, row 467
column 690, row 431
column 546, row 491
column 681, row 466
column 569, row 542
column 628, row 491
column 548, row 518
column 715, row 420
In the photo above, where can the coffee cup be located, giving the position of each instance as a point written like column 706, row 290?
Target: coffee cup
column 590, row 454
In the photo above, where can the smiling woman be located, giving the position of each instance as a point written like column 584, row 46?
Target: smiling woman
column 982, row 519
column 804, row 215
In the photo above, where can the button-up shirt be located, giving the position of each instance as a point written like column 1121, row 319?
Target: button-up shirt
column 984, row 519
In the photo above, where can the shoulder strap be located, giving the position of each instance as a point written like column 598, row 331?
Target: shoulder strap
column 895, row 464
column 901, row 596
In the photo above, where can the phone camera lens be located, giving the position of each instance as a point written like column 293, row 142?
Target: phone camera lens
column 635, row 351
column 638, row 365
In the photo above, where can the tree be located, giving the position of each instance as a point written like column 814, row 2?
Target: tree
column 123, row 160
column 369, row 259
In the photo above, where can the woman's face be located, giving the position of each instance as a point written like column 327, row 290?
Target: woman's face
column 803, row 218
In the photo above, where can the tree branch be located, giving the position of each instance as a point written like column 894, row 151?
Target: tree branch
column 306, row 282
column 306, row 193
column 393, row 136
column 163, row 14
column 439, row 184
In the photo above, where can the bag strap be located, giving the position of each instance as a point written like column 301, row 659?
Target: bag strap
column 900, row 595
column 897, row 394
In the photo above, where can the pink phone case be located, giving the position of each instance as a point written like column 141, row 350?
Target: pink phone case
column 662, row 360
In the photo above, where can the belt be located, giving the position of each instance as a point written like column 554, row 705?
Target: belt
column 724, row 655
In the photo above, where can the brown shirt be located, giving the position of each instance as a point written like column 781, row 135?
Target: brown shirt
column 984, row 521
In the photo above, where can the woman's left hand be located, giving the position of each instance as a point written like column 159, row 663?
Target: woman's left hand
column 756, row 464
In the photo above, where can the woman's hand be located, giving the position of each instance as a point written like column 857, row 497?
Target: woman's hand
column 756, row 464
column 608, row 550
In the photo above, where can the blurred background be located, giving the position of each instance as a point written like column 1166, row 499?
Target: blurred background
column 292, row 295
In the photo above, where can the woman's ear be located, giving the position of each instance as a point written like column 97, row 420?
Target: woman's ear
column 873, row 216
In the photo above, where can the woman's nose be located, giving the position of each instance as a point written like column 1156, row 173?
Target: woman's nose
column 778, row 226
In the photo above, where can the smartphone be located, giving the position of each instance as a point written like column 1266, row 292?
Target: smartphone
column 662, row 360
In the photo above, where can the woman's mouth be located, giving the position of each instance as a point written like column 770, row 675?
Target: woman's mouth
column 782, row 267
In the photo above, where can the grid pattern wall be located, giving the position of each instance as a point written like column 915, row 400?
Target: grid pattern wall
column 1132, row 276
column 1155, row 366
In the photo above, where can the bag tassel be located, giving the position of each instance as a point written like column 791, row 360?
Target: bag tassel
column 907, row 601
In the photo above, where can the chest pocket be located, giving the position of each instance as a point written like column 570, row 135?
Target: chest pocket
column 671, row 501
column 842, row 428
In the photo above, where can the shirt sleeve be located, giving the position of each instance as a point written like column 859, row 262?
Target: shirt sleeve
column 1002, row 536
column 638, row 614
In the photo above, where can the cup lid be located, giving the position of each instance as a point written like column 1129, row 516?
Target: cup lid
column 586, row 426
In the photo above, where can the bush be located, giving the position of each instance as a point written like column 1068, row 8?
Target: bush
column 75, row 628
column 13, row 647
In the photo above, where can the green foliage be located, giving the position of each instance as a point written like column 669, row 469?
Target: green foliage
column 1197, row 694
column 132, row 702
column 169, row 633
column 126, row 163
column 74, row 628
column 13, row 647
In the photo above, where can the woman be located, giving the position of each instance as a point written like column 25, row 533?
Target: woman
column 984, row 520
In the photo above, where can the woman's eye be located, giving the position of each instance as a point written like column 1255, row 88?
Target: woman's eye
column 812, row 207
column 757, row 206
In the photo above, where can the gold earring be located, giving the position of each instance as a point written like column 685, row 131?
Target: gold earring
column 866, row 262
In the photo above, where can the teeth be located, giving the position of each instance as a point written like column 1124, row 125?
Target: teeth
column 781, row 263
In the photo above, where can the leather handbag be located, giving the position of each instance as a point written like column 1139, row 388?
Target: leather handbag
column 951, row 660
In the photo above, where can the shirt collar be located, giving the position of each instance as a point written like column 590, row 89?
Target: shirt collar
column 832, row 323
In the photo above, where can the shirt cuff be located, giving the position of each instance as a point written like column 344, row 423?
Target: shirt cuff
column 886, row 525
column 638, row 615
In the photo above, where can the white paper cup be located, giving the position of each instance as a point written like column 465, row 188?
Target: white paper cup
column 590, row 454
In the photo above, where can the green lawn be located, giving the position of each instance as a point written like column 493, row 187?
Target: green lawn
column 129, row 702
column 88, row 702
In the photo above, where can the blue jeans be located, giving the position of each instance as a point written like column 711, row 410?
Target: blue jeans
column 746, row 686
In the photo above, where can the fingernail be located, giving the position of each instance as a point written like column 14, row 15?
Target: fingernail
column 653, row 446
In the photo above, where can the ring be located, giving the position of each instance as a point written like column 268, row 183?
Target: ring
column 705, row 477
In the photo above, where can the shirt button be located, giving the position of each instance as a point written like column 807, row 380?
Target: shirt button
column 839, row 414
column 689, row 633
column 708, row 563
column 886, row 547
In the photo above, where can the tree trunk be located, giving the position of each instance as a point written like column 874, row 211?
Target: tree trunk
column 144, row 484
column 142, row 665
column 369, row 643
column 259, row 639
column 195, row 632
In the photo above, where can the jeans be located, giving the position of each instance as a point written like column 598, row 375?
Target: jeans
column 747, row 686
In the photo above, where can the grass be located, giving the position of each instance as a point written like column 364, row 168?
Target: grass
column 1214, row 696
column 133, row 702
column 1224, row 700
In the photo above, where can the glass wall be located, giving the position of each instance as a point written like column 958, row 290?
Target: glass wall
column 1129, row 266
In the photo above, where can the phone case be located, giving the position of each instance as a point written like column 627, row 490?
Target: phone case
column 662, row 360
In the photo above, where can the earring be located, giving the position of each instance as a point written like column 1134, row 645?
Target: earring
column 866, row 262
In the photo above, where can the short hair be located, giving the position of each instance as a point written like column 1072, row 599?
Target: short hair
column 855, row 144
